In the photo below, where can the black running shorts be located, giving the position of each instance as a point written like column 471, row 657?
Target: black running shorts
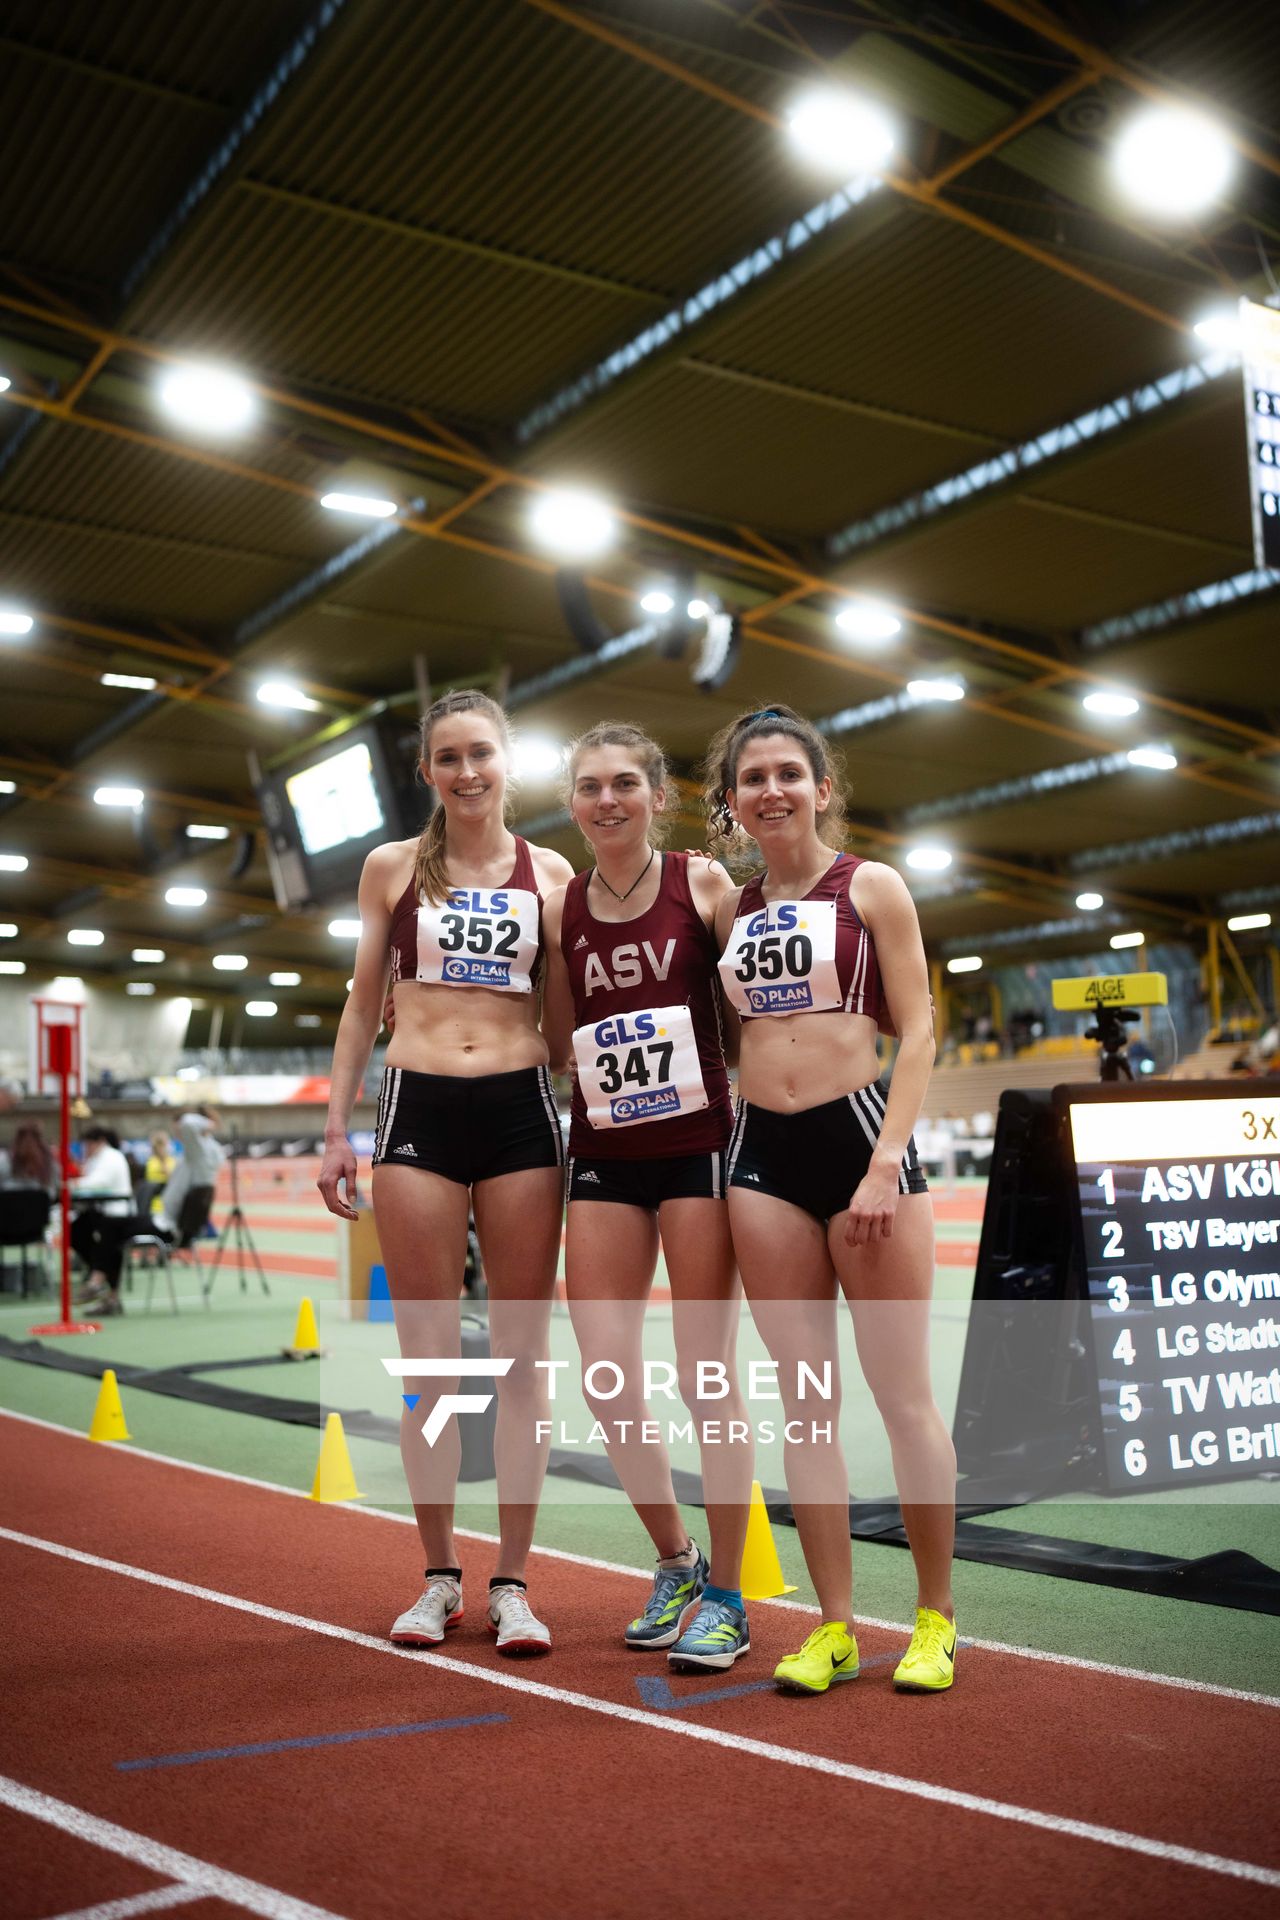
column 647, row 1183
column 468, row 1130
column 815, row 1158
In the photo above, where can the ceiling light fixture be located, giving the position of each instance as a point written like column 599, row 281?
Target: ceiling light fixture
column 186, row 896
column 210, row 399
column 230, row 962
column 656, row 600
column 868, row 620
column 935, row 689
column 537, row 758
column 929, row 859
column 1219, row 328
column 147, row 956
column 260, row 1009
column 306, row 1020
column 284, row 980
column 118, row 796
column 15, row 621
column 840, row 132
column 366, row 505
column 281, row 693
column 144, row 682
column 1173, row 161
column 1119, row 940
column 13, row 966
column 8, row 931
column 1162, row 759
column 1244, row 922
column 345, row 929
column 575, row 525
column 8, row 786
column 967, row 963
column 13, row 863
column 85, row 936
column 140, row 987
column 1089, row 902
column 1116, row 706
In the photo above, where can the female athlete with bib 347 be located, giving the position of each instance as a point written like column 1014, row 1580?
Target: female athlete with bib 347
column 631, row 969
column 466, row 1113
column 825, row 1189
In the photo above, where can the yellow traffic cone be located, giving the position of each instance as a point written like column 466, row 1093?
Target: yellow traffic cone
column 108, row 1414
column 761, row 1569
column 335, row 1476
column 306, row 1335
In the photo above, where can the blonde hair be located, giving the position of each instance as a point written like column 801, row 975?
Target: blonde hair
column 430, row 870
column 720, row 774
column 649, row 756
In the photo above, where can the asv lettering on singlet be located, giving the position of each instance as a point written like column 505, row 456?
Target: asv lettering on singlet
column 479, row 938
column 781, row 959
column 625, row 968
column 639, row 1066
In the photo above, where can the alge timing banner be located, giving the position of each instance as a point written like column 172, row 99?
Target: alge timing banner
column 1180, row 1209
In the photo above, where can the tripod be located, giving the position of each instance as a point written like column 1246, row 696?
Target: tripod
column 236, row 1227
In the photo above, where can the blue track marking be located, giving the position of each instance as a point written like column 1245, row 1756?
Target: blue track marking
column 659, row 1697
column 310, row 1740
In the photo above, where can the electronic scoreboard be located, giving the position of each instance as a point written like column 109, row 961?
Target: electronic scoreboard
column 1179, row 1233
column 1125, row 1326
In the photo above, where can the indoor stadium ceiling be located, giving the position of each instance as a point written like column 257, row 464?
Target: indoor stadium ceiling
column 468, row 249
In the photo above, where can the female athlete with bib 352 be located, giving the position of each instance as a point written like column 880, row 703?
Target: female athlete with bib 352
column 466, row 1113
column 825, row 1189
column 631, row 969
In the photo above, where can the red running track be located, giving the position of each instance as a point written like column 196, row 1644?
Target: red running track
column 580, row 1801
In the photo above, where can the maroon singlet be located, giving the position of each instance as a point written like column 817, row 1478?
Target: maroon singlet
column 857, row 968
column 404, row 921
column 666, row 956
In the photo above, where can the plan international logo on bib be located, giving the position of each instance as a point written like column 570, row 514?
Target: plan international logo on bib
column 478, row 973
column 645, row 1106
column 790, row 996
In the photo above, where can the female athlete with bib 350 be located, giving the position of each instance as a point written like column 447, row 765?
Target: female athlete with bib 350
column 631, row 969
column 466, row 1113
column 825, row 1189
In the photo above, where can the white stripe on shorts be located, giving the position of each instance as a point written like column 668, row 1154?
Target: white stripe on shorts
column 717, row 1191
column 547, row 1091
column 735, row 1138
column 393, row 1100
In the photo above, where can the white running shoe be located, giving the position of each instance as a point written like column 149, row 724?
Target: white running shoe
column 429, row 1619
column 517, row 1626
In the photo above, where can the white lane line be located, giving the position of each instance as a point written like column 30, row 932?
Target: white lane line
column 205, row 1880
column 154, row 1902
column 1076, row 1661
column 954, row 1797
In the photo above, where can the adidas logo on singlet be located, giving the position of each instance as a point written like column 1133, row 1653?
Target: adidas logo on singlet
column 409, row 1151
column 581, row 941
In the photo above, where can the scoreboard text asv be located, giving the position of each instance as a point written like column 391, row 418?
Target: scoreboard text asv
column 1180, row 1218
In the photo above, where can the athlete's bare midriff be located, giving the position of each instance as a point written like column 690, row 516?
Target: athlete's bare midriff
column 465, row 1032
column 798, row 1060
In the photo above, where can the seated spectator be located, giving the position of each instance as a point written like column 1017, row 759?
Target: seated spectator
column 103, row 1193
column 31, row 1163
column 196, row 1173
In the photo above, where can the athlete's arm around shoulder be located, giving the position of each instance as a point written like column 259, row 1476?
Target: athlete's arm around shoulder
column 726, row 911
column 709, row 883
column 361, row 1018
column 557, row 994
column 552, row 869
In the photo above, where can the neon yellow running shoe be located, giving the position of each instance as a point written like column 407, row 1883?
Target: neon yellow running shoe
column 830, row 1653
column 929, row 1663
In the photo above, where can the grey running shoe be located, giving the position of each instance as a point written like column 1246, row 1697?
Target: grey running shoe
column 674, row 1590
column 429, row 1619
column 516, row 1625
column 715, row 1637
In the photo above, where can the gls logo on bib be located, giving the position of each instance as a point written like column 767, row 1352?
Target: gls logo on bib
column 781, row 959
column 639, row 1066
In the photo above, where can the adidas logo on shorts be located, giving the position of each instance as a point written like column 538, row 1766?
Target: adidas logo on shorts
column 581, row 941
column 588, row 1179
column 409, row 1151
column 747, row 1176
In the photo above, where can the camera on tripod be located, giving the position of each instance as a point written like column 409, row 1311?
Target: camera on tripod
column 1115, row 1000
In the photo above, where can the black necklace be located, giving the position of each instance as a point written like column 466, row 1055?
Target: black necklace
column 634, row 884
